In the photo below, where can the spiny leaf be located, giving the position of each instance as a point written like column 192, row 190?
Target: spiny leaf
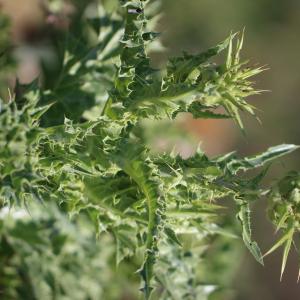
column 132, row 163
column 180, row 67
column 261, row 159
column 279, row 243
column 200, row 112
column 126, row 242
column 286, row 251
column 285, row 240
column 244, row 217
column 172, row 235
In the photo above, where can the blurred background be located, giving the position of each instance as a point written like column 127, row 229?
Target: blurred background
column 272, row 39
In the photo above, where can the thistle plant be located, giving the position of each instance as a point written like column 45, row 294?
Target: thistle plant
column 79, row 142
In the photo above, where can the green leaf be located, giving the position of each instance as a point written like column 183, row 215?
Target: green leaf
column 179, row 68
column 285, row 240
column 200, row 112
column 131, row 160
column 262, row 159
column 126, row 241
column 172, row 235
column 244, row 217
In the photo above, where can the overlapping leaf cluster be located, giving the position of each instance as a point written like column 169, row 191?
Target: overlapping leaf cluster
column 159, row 208
column 42, row 255
column 284, row 213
